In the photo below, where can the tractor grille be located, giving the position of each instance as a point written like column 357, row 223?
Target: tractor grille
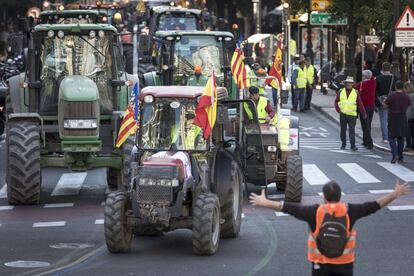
column 155, row 194
column 78, row 110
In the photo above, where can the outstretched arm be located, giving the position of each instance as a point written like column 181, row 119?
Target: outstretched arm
column 261, row 200
column 399, row 190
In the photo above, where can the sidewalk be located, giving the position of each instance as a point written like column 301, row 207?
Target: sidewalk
column 325, row 105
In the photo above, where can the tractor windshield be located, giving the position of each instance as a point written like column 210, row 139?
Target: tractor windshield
column 168, row 125
column 193, row 50
column 177, row 22
column 75, row 55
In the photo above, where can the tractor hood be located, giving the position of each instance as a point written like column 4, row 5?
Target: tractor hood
column 78, row 88
column 180, row 160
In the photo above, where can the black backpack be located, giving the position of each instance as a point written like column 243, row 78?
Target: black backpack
column 333, row 235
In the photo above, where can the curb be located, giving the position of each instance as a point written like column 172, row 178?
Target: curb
column 327, row 115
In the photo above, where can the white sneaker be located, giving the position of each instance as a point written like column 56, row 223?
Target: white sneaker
column 385, row 141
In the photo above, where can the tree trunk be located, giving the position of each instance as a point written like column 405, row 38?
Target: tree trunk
column 350, row 69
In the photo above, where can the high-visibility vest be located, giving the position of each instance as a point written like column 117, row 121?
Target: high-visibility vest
column 254, row 81
column 191, row 136
column 348, row 256
column 348, row 105
column 260, row 109
column 301, row 78
column 284, row 133
column 310, row 74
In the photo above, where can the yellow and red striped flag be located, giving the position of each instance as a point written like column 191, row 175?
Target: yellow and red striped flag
column 206, row 111
column 276, row 69
column 238, row 69
column 130, row 122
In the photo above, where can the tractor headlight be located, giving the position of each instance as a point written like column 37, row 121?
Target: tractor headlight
column 147, row 182
column 272, row 148
column 148, row 99
column 60, row 34
column 80, row 123
column 175, row 182
column 164, row 182
column 92, row 34
column 50, row 33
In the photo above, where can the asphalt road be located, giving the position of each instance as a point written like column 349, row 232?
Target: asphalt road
column 65, row 232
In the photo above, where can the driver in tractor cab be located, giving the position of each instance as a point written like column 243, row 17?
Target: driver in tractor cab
column 265, row 112
column 257, row 77
column 192, row 133
column 198, row 79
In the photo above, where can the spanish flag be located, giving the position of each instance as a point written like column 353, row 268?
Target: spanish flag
column 238, row 69
column 206, row 111
column 276, row 69
column 129, row 124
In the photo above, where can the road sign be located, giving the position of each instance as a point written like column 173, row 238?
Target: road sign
column 320, row 5
column 324, row 18
column 372, row 39
column 404, row 29
column 406, row 21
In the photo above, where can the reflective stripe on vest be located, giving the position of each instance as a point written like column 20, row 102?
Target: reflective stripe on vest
column 260, row 109
column 348, row 105
column 310, row 74
column 314, row 255
column 301, row 78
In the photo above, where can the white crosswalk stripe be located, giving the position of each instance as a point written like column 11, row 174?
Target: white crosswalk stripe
column 3, row 191
column 59, row 205
column 398, row 170
column 69, row 184
column 359, row 174
column 49, row 224
column 333, row 145
column 401, row 207
column 313, row 175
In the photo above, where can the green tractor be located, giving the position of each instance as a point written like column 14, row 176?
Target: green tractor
column 65, row 110
column 180, row 51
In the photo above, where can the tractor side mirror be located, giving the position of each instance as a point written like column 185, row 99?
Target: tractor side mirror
column 116, row 83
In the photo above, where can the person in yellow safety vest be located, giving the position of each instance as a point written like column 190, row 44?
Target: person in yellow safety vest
column 264, row 109
column 198, row 79
column 299, row 82
column 190, row 136
column 347, row 103
column 321, row 218
column 255, row 74
column 310, row 78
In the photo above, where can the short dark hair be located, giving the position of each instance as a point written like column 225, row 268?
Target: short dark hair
column 386, row 66
column 253, row 90
column 296, row 58
column 399, row 85
column 332, row 191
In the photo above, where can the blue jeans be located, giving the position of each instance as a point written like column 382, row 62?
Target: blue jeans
column 397, row 146
column 383, row 115
column 300, row 94
column 274, row 96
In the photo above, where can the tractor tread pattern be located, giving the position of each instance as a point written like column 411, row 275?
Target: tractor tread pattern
column 294, row 179
column 23, row 154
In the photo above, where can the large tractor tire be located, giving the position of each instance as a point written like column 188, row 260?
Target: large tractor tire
column 294, row 179
column 206, row 224
column 232, row 209
column 119, row 179
column 118, row 236
column 142, row 69
column 23, row 163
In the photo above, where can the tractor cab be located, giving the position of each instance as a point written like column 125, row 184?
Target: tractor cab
column 71, row 17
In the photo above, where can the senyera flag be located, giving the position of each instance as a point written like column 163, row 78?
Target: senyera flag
column 238, row 69
column 130, row 122
column 276, row 69
column 206, row 111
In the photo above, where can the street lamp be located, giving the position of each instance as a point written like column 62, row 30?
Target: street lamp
column 256, row 13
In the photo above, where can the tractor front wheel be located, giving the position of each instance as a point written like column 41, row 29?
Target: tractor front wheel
column 118, row 236
column 23, row 163
column 294, row 179
column 206, row 224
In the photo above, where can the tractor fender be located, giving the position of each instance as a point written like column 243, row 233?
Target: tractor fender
column 294, row 136
column 222, row 184
column 32, row 117
column 17, row 93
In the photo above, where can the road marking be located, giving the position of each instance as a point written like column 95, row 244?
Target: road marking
column 27, row 264
column 242, row 215
column 373, row 156
column 101, row 221
column 358, row 173
column 49, row 224
column 305, row 133
column 276, row 196
column 321, row 128
column 58, row 205
column 280, row 214
column 398, row 170
column 6, row 207
column 3, row 191
column 71, row 245
column 380, row 191
column 313, row 175
column 321, row 194
column 69, row 184
column 401, row 207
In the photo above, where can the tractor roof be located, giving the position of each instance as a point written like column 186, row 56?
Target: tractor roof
column 70, row 13
column 165, row 9
column 74, row 27
column 173, row 91
column 163, row 34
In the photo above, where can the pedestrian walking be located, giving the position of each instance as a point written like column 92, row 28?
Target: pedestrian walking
column 291, row 70
column 311, row 77
column 366, row 90
column 385, row 84
column 397, row 104
column 299, row 83
column 332, row 237
column 409, row 89
column 348, row 103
